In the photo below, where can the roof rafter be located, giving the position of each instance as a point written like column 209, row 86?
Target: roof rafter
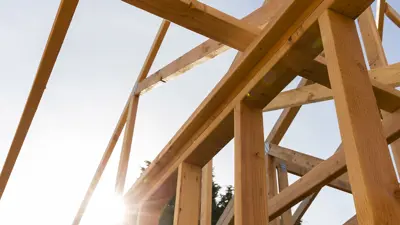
column 202, row 19
column 312, row 93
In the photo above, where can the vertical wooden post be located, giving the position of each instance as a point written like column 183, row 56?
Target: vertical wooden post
column 188, row 191
column 376, row 59
column 126, row 146
column 206, row 194
column 283, row 181
column 271, row 181
column 251, row 205
column 359, row 122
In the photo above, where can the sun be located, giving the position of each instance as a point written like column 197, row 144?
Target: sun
column 109, row 209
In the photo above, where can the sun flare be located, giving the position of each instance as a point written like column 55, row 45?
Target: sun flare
column 108, row 210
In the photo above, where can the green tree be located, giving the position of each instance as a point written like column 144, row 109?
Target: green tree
column 218, row 204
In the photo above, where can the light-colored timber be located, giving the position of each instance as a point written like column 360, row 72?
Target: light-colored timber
column 277, row 42
column 56, row 38
column 393, row 14
column 361, row 130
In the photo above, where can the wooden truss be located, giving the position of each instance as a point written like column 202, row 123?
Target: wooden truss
column 277, row 42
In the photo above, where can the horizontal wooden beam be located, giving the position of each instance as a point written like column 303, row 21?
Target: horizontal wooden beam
column 300, row 164
column 321, row 175
column 211, row 129
column 393, row 14
column 316, row 93
column 388, row 98
column 205, row 51
column 359, row 122
column 202, row 19
column 268, row 65
column 56, row 38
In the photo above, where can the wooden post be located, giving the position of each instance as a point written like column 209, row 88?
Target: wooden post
column 250, row 174
column 283, row 181
column 359, row 122
column 188, row 191
column 206, row 194
column 272, row 181
column 126, row 146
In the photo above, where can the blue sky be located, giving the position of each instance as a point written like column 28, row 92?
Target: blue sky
column 102, row 55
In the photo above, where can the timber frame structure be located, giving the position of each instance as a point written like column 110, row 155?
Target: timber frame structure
column 277, row 42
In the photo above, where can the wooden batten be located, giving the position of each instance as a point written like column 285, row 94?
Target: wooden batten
column 56, row 38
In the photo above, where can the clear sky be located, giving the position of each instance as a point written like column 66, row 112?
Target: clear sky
column 101, row 57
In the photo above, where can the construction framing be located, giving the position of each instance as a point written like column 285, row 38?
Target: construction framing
column 277, row 42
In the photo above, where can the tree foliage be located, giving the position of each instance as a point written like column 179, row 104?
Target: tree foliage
column 219, row 202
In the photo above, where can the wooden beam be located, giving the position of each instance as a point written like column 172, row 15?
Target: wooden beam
column 257, row 79
column 271, row 182
column 361, row 130
column 388, row 98
column 126, row 146
column 101, row 167
column 392, row 14
column 351, row 221
column 133, row 108
column 285, row 119
column 202, row 19
column 206, row 50
column 300, row 164
column 275, row 136
column 377, row 59
column 56, row 38
column 251, row 200
column 187, row 204
column 215, row 104
column 324, row 173
column 130, row 108
column 313, row 93
column 321, row 175
column 380, row 16
column 372, row 41
column 286, row 218
column 302, row 209
column 206, row 194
